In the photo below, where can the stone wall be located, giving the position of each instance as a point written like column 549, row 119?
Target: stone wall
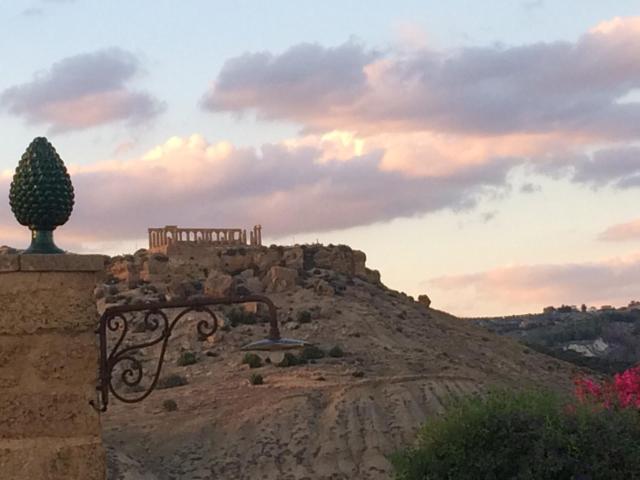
column 48, row 368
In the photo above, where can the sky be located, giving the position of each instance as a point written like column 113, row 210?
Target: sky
column 484, row 153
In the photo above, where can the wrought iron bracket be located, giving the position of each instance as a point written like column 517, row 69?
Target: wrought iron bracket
column 116, row 352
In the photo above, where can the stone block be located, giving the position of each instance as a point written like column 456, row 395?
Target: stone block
column 48, row 362
column 63, row 361
column 14, row 360
column 82, row 458
column 45, row 414
column 9, row 263
column 62, row 263
column 31, row 301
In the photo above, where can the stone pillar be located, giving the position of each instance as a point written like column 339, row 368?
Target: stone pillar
column 49, row 368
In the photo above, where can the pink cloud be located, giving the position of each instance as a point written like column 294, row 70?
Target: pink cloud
column 569, row 87
column 434, row 113
column 83, row 91
column 622, row 232
column 526, row 288
column 289, row 188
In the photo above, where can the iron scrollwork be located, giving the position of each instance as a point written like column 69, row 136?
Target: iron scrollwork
column 116, row 323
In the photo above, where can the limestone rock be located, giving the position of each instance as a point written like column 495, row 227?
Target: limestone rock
column 245, row 274
column 235, row 260
column 254, row 285
column 359, row 261
column 293, row 258
column 424, row 300
column 280, row 279
column 218, row 284
column 181, row 289
column 372, row 276
column 323, row 288
column 340, row 259
column 157, row 267
column 267, row 258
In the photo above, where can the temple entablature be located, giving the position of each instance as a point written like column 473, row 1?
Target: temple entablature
column 173, row 235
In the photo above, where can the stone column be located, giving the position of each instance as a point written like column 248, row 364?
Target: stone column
column 49, row 368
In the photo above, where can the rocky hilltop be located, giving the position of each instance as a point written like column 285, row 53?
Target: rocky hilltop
column 382, row 363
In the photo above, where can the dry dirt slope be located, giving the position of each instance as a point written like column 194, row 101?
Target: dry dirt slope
column 316, row 421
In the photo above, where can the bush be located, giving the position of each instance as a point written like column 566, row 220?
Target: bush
column 623, row 391
column 336, row 352
column 523, row 436
column 290, row 360
column 170, row 405
column 256, row 379
column 304, row 316
column 172, row 381
column 239, row 316
column 311, row 352
column 187, row 358
column 251, row 359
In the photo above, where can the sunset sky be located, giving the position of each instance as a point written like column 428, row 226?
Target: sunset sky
column 485, row 153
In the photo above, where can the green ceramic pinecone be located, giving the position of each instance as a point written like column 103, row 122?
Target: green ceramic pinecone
column 41, row 194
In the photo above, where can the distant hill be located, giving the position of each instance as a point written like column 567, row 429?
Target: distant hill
column 606, row 341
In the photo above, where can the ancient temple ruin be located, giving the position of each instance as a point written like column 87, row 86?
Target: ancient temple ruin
column 171, row 234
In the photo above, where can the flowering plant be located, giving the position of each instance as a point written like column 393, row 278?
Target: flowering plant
column 623, row 391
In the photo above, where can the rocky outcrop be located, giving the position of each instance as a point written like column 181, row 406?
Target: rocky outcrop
column 180, row 290
column 188, row 270
column 280, row 279
column 218, row 285
column 424, row 300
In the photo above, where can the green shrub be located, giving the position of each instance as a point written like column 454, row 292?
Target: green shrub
column 336, row 352
column 311, row 352
column 251, row 359
column 256, row 379
column 170, row 405
column 239, row 316
column 523, row 436
column 290, row 360
column 304, row 316
column 187, row 358
column 172, row 381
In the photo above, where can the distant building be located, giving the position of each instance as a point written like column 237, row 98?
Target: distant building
column 171, row 235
